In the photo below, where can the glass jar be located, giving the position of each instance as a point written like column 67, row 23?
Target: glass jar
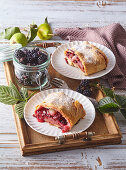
column 32, row 77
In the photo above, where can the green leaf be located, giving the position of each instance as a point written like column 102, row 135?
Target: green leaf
column 32, row 33
column 109, row 108
column 9, row 32
column 7, row 95
column 16, row 93
column 19, row 109
column 24, row 92
column 106, row 100
column 108, row 92
column 107, row 105
column 123, row 111
column 121, row 100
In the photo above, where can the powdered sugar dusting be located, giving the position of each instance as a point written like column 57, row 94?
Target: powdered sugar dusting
column 88, row 54
column 59, row 99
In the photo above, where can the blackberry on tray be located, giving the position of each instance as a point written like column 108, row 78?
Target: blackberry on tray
column 85, row 83
column 87, row 92
column 84, row 88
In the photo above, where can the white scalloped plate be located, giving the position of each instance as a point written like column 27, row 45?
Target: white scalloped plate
column 50, row 130
column 60, row 65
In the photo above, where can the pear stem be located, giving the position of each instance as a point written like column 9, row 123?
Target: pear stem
column 51, row 34
column 46, row 20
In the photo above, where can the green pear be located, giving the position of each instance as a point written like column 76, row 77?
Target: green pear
column 19, row 38
column 44, row 31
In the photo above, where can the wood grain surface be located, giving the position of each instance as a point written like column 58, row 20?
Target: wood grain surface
column 60, row 14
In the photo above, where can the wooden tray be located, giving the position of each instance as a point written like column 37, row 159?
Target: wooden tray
column 105, row 126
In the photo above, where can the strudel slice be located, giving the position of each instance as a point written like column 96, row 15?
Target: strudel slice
column 59, row 110
column 88, row 58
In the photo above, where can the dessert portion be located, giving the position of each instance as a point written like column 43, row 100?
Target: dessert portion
column 59, row 110
column 88, row 58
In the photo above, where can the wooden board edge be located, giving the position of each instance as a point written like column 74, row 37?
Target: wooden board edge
column 117, row 126
column 49, row 149
column 21, row 138
column 97, row 140
column 111, row 124
column 109, row 119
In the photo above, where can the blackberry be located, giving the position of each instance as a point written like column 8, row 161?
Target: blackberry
column 25, row 50
column 40, row 60
column 23, row 60
column 34, row 55
column 85, row 83
column 21, row 80
column 80, row 90
column 29, row 55
column 27, row 81
column 81, row 86
column 39, row 53
column 29, row 59
column 87, row 92
column 20, row 53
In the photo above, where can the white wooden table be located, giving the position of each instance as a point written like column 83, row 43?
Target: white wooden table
column 60, row 14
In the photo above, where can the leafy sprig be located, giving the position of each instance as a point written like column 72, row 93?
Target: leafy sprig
column 32, row 33
column 9, row 32
column 19, row 109
column 12, row 96
column 112, row 102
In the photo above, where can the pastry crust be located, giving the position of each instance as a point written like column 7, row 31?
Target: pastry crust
column 69, row 108
column 92, row 59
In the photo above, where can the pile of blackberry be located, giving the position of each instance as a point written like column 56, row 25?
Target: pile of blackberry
column 85, row 88
column 31, row 79
column 31, row 57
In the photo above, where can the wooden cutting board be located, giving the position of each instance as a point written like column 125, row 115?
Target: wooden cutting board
column 105, row 126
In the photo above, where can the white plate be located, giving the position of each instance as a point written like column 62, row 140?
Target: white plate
column 50, row 130
column 60, row 65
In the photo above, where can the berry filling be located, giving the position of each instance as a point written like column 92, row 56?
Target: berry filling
column 70, row 53
column 74, row 58
column 53, row 117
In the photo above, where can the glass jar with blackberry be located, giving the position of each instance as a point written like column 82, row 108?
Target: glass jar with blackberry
column 31, row 67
